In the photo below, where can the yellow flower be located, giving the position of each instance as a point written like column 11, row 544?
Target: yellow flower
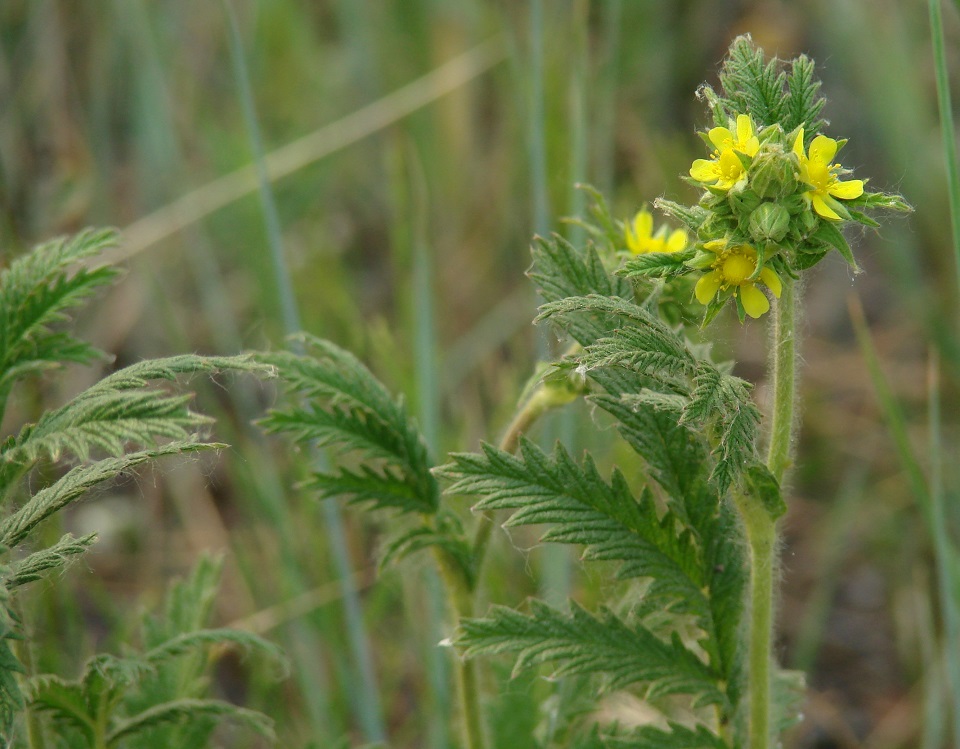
column 817, row 171
column 641, row 239
column 724, row 170
column 734, row 267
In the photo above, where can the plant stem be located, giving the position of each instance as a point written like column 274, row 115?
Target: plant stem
column 23, row 648
column 461, row 595
column 784, row 374
column 538, row 403
column 762, row 539
column 761, row 526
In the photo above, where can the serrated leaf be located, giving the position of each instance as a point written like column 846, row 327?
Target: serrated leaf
column 448, row 536
column 722, row 403
column 561, row 271
column 587, row 511
column 187, row 709
column 580, row 643
column 64, row 699
column 649, row 423
column 33, row 566
column 678, row 737
column 345, row 407
column 77, row 482
column 38, row 291
column 658, row 264
column 751, row 85
column 803, row 104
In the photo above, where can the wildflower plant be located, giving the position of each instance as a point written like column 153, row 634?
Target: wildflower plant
column 689, row 527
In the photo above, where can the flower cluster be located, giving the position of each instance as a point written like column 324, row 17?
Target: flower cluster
column 773, row 200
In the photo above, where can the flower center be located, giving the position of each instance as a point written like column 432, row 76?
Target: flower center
column 737, row 268
column 820, row 176
column 730, row 166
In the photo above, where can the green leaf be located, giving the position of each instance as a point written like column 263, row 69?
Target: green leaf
column 829, row 233
column 560, row 271
column 37, row 292
column 658, row 264
column 342, row 405
column 65, row 700
column 761, row 483
column 690, row 216
column 803, row 104
column 636, row 340
column 77, row 482
column 587, row 511
column 750, row 85
column 678, row 737
column 382, row 489
column 447, row 536
column 33, row 566
column 188, row 709
column 722, row 404
column 580, row 643
column 648, row 421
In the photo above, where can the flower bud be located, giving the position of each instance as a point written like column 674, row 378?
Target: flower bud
column 773, row 173
column 769, row 223
column 744, row 202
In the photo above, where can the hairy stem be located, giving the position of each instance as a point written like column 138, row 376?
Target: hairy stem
column 460, row 596
column 784, row 374
column 762, row 539
column 761, row 526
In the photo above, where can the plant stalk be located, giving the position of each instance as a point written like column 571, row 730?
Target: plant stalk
column 762, row 539
column 539, row 403
column 784, row 376
column 761, row 526
column 461, row 595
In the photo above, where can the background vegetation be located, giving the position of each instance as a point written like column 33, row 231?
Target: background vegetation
column 405, row 216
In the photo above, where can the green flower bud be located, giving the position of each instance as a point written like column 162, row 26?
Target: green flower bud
column 807, row 221
column 744, row 202
column 773, row 173
column 769, row 223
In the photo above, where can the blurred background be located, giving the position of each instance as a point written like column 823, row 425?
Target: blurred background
column 411, row 149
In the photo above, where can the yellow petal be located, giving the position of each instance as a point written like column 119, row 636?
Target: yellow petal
column 721, row 138
column 772, row 281
column 677, row 241
column 643, row 225
column 707, row 287
column 704, row 171
column 823, row 149
column 751, row 147
column 846, row 190
column 755, row 302
column 822, row 208
column 798, row 146
column 744, row 128
column 715, row 245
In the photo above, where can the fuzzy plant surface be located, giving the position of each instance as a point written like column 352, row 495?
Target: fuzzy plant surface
column 120, row 423
column 689, row 527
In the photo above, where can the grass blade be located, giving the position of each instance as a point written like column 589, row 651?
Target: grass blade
column 367, row 700
column 929, row 496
